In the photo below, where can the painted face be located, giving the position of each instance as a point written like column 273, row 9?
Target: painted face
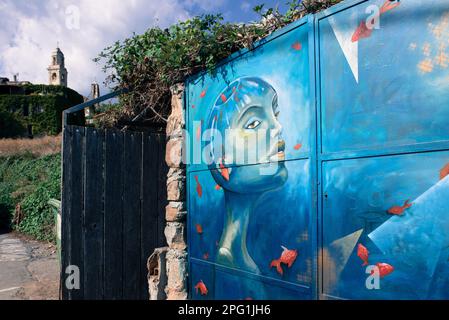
column 245, row 131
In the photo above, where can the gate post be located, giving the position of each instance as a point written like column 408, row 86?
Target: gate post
column 175, row 230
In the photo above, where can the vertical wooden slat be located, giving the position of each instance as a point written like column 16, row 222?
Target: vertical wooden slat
column 149, row 218
column 65, row 207
column 113, row 220
column 93, row 215
column 131, row 222
column 161, row 189
column 74, row 205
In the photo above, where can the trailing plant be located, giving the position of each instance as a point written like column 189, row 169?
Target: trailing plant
column 150, row 63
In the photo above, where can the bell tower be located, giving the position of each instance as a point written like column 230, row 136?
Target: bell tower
column 57, row 73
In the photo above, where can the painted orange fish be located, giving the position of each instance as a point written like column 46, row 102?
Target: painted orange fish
column 384, row 269
column 236, row 98
column 203, row 94
column 361, row 32
column 297, row 146
column 444, row 171
column 389, row 5
column 217, row 187
column 363, row 253
column 398, row 210
column 206, row 256
column 201, row 287
column 224, row 172
column 199, row 188
column 199, row 228
column 297, row 46
column 223, row 98
column 288, row 257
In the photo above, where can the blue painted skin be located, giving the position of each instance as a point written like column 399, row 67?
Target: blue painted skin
column 255, row 109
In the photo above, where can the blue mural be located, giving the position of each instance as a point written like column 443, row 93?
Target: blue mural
column 250, row 204
column 384, row 110
column 336, row 182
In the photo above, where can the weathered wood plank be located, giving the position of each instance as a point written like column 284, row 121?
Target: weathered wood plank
column 93, row 230
column 161, row 189
column 131, row 222
column 65, row 208
column 72, row 217
column 113, row 220
column 149, row 215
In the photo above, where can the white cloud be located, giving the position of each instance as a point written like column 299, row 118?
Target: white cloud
column 30, row 31
column 245, row 6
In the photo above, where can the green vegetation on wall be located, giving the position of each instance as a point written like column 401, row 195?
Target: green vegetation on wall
column 151, row 62
column 39, row 105
column 27, row 184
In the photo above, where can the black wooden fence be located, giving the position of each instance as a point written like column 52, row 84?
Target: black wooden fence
column 113, row 210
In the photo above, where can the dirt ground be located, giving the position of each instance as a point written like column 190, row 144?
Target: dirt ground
column 29, row 269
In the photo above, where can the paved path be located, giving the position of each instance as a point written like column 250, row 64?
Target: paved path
column 28, row 269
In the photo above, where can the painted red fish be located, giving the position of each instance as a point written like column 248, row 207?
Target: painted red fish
column 224, row 172
column 198, row 131
column 297, row 146
column 389, row 5
column 361, row 32
column 288, row 257
column 384, row 269
column 193, row 106
column 199, row 228
column 199, row 188
column 203, row 94
column 236, row 98
column 206, row 256
column 297, row 46
column 217, row 187
column 201, row 287
column 363, row 253
column 223, row 98
column 444, row 171
column 248, row 298
column 398, row 210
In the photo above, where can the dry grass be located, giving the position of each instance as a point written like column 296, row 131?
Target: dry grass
column 38, row 146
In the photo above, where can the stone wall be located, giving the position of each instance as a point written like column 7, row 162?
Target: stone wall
column 175, row 214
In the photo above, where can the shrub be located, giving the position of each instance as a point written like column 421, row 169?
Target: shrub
column 27, row 184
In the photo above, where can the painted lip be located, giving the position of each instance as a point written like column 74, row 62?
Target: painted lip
column 278, row 153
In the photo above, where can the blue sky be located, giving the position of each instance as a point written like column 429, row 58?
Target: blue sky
column 31, row 29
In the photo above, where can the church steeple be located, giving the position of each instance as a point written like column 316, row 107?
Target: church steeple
column 57, row 73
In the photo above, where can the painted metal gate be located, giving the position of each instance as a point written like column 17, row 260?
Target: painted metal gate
column 113, row 211
column 350, row 201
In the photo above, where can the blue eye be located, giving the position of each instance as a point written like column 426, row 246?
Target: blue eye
column 253, row 124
